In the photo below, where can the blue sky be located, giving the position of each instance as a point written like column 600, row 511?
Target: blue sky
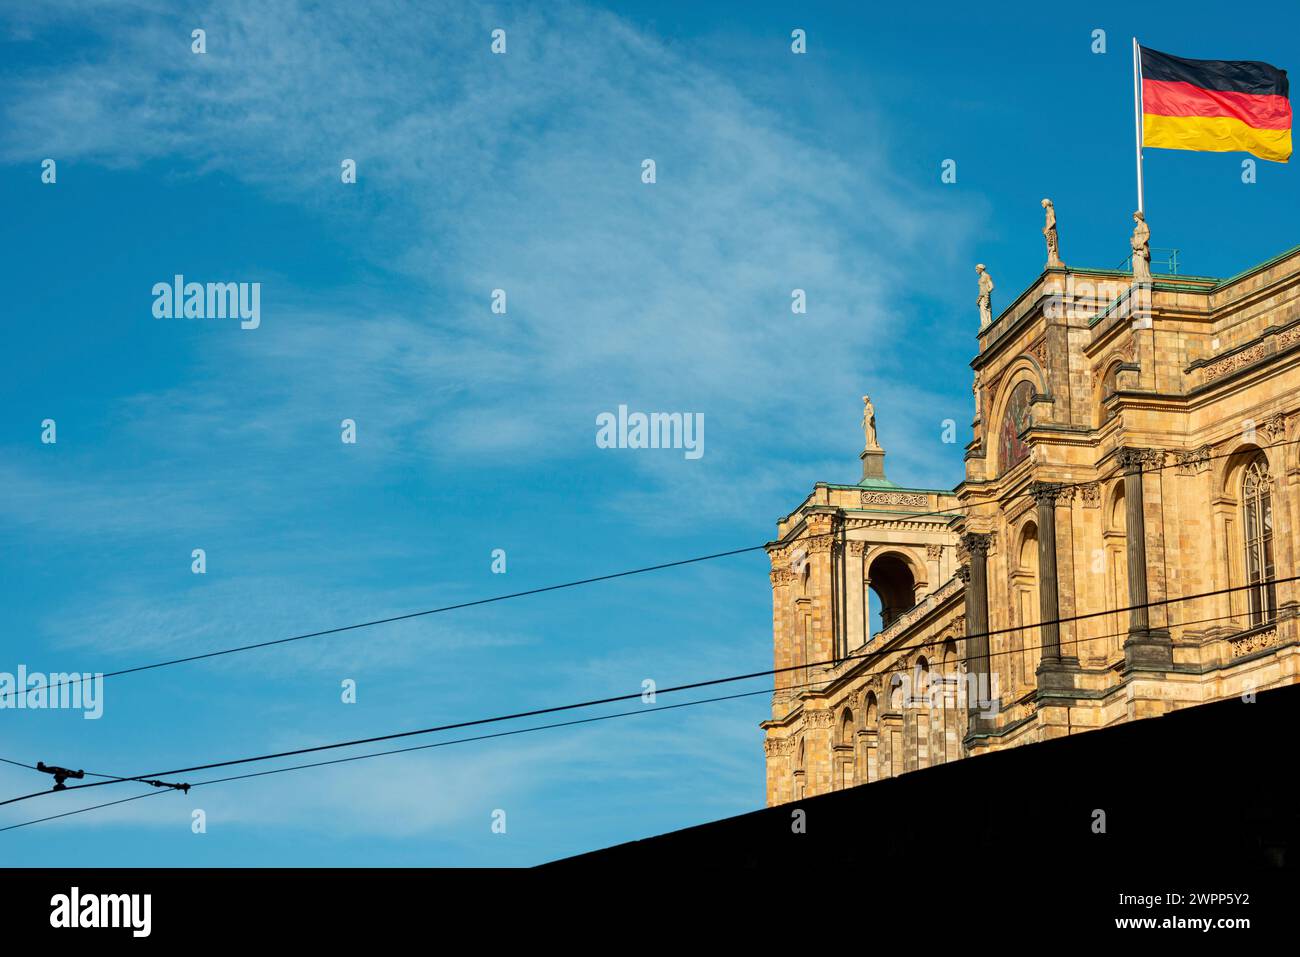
column 476, row 431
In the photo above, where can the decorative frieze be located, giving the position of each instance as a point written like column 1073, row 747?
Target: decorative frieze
column 819, row 718
column 1236, row 361
column 782, row 747
column 1288, row 338
column 896, row 498
column 1253, row 641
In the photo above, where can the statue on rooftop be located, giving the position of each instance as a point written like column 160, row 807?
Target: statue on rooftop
column 985, row 299
column 1049, row 233
column 1141, row 246
column 869, row 423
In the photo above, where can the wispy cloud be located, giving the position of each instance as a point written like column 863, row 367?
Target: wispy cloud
column 518, row 172
column 476, row 172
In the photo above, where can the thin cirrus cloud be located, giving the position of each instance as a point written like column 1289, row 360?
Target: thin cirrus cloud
column 519, row 172
column 476, row 172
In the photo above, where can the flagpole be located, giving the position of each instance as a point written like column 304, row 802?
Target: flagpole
column 1137, row 115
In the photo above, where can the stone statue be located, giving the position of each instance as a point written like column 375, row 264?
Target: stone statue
column 1049, row 233
column 985, row 299
column 869, row 422
column 1141, row 245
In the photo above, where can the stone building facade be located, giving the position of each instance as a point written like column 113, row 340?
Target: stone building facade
column 1121, row 546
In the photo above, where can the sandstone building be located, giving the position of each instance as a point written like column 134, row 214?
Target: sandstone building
column 1133, row 445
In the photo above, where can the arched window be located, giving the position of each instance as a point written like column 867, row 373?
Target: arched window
column 921, row 683
column 1116, row 557
column 869, row 719
column 890, row 581
column 1022, row 645
column 842, row 755
column 950, row 701
column 846, row 728
column 1108, row 386
column 920, row 706
column 1257, row 529
column 1012, row 450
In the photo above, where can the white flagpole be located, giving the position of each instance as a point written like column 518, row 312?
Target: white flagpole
column 1137, row 114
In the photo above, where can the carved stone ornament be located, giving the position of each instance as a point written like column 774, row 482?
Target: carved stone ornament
column 820, row 718
column 1236, row 361
column 895, row 498
column 1051, row 492
column 1039, row 351
column 1256, row 641
column 1274, row 427
column 1197, row 460
column 977, row 543
column 1145, row 460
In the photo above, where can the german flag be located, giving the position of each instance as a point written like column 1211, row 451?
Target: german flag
column 1218, row 105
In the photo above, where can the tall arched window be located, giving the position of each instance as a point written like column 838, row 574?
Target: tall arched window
column 1116, row 556
column 951, row 732
column 1013, row 451
column 920, row 706
column 870, row 716
column 842, row 754
column 891, row 580
column 1257, row 529
column 1021, row 648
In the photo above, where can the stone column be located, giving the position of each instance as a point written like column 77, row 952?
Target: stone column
column 1055, row 671
column 1130, row 460
column 1146, row 648
column 819, row 757
column 1049, row 607
column 977, row 621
